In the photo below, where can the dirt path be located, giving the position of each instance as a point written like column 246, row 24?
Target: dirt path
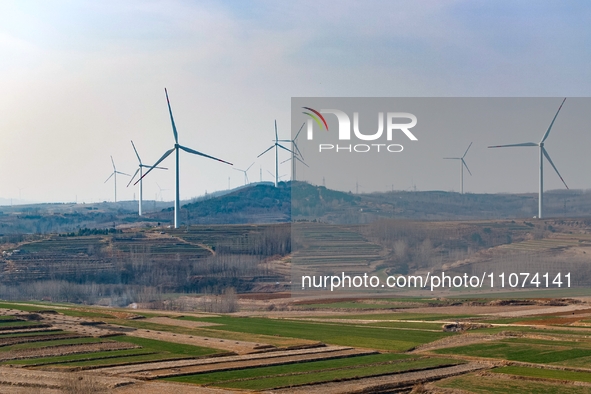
column 383, row 383
column 458, row 340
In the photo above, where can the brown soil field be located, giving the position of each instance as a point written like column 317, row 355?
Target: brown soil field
column 62, row 350
column 536, row 310
column 179, row 323
column 36, row 379
column 74, row 324
column 36, row 338
column 264, row 296
column 458, row 340
column 228, row 345
column 170, row 387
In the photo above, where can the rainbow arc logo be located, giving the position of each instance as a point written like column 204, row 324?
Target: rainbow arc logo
column 317, row 116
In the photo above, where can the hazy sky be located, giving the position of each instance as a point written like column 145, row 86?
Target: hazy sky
column 80, row 79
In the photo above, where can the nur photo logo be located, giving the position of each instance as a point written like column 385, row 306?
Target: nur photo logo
column 395, row 122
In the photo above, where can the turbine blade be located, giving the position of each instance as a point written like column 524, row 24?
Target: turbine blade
column 133, row 177
column 271, row 147
column 301, row 161
column 156, row 168
column 276, row 138
column 109, row 177
column 270, row 173
column 467, row 150
column 297, row 150
column 164, row 156
column 249, row 166
column 176, row 135
column 452, row 158
column 189, row 150
column 298, row 133
column 237, row 169
column 122, row 173
column 523, row 144
column 466, row 165
column 553, row 166
column 137, row 154
column 283, row 147
column 551, row 124
column 113, row 162
column 285, row 161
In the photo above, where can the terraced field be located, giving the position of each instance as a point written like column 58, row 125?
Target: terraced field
column 499, row 384
column 264, row 378
column 304, row 351
column 528, row 350
column 325, row 249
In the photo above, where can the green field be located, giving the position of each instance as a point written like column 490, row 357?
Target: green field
column 525, row 350
column 148, row 350
column 313, row 372
column 399, row 316
column 55, row 342
column 545, row 373
column 367, row 337
column 73, row 358
column 490, row 385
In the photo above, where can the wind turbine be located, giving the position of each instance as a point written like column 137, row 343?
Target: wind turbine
column 276, row 145
column 543, row 153
column 462, row 165
column 246, row 181
column 177, row 148
column 114, row 174
column 140, row 170
column 294, row 155
column 161, row 190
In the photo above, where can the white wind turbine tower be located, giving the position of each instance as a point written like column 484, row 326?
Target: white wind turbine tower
column 246, row 181
column 276, row 145
column 543, row 153
column 114, row 175
column 462, row 165
column 294, row 155
column 177, row 148
column 140, row 170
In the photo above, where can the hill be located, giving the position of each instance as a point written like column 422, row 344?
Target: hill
column 298, row 201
